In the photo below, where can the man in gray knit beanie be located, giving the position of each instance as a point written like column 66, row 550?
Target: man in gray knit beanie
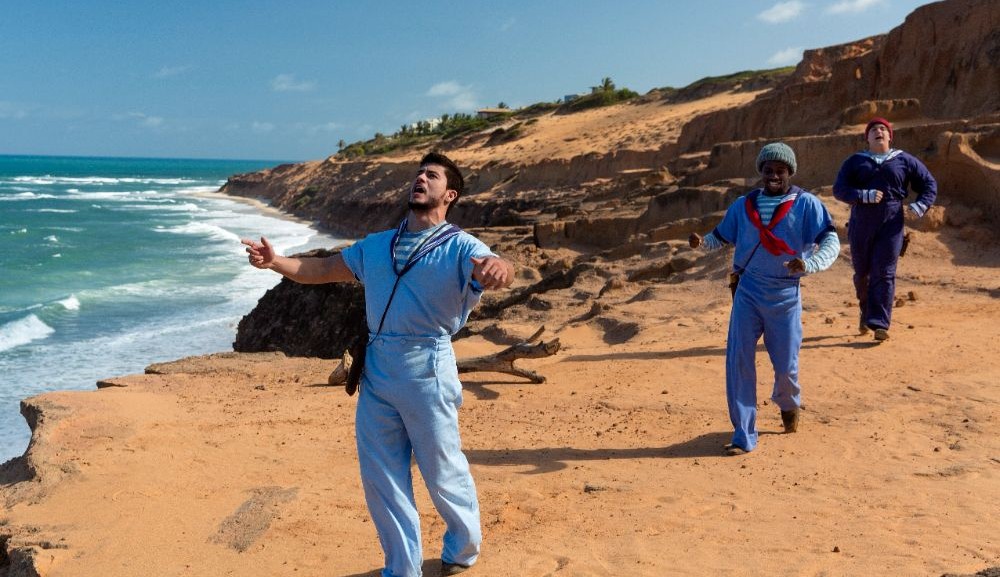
column 772, row 253
column 777, row 151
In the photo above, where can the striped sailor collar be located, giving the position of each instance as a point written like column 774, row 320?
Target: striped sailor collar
column 880, row 158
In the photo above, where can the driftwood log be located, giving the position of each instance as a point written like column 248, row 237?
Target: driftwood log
column 500, row 362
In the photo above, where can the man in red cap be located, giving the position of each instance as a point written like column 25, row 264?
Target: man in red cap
column 875, row 182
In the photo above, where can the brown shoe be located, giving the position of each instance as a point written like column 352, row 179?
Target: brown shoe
column 790, row 419
column 862, row 324
column 881, row 334
column 733, row 451
column 452, row 568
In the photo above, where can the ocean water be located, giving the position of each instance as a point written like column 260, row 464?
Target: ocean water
column 110, row 264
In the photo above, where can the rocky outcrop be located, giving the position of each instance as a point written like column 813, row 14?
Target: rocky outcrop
column 663, row 212
column 304, row 320
column 962, row 155
column 371, row 193
column 945, row 56
column 972, row 167
column 499, row 176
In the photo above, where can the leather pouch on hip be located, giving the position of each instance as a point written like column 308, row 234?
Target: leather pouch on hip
column 357, row 351
column 734, row 281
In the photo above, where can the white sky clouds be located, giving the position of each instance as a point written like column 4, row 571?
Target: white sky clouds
column 10, row 110
column 853, row 6
column 782, row 12
column 787, row 11
column 445, row 89
column 168, row 71
column 261, row 127
column 454, row 96
column 785, row 57
column 288, row 83
column 313, row 129
column 145, row 120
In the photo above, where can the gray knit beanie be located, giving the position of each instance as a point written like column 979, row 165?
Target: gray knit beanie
column 776, row 151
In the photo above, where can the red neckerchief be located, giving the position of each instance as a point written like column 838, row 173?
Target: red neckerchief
column 772, row 243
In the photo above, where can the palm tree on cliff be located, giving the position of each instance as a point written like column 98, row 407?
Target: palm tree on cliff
column 607, row 85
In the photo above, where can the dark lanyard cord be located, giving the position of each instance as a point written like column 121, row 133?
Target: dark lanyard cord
column 749, row 258
column 399, row 274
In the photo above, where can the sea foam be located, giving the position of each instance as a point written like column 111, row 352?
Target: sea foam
column 70, row 303
column 22, row 196
column 203, row 229
column 23, row 331
column 48, row 180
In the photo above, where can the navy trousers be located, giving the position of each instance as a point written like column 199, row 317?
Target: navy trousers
column 875, row 232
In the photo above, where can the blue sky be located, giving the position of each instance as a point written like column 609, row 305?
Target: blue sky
column 288, row 80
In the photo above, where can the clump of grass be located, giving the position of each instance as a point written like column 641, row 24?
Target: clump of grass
column 447, row 126
column 743, row 80
column 605, row 94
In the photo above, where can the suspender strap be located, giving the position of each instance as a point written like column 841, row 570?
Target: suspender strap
column 427, row 245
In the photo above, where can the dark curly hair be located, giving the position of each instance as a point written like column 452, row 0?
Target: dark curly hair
column 451, row 171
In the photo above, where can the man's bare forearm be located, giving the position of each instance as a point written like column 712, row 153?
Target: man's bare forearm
column 312, row 270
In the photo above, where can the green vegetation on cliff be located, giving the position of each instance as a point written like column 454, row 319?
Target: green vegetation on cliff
column 605, row 94
column 743, row 80
column 452, row 125
column 443, row 128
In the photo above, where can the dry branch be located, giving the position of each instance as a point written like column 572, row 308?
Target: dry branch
column 500, row 362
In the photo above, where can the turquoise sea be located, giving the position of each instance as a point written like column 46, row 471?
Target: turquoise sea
column 110, row 264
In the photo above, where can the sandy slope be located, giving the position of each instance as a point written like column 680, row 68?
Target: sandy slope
column 245, row 465
column 628, row 126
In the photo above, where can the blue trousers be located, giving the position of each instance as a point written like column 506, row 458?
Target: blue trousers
column 876, row 236
column 408, row 407
column 777, row 315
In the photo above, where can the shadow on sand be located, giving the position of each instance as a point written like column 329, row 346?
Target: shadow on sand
column 548, row 460
column 807, row 342
column 15, row 471
column 429, row 567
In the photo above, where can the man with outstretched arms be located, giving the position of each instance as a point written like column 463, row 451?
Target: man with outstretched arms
column 421, row 280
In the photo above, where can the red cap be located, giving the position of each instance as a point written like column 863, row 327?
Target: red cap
column 878, row 120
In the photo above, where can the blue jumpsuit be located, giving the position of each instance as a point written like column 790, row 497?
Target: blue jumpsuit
column 767, row 302
column 875, row 230
column 410, row 395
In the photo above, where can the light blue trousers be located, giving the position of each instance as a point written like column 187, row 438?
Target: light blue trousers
column 408, row 406
column 777, row 315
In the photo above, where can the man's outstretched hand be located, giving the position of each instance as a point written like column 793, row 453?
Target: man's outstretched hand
column 491, row 272
column 261, row 254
